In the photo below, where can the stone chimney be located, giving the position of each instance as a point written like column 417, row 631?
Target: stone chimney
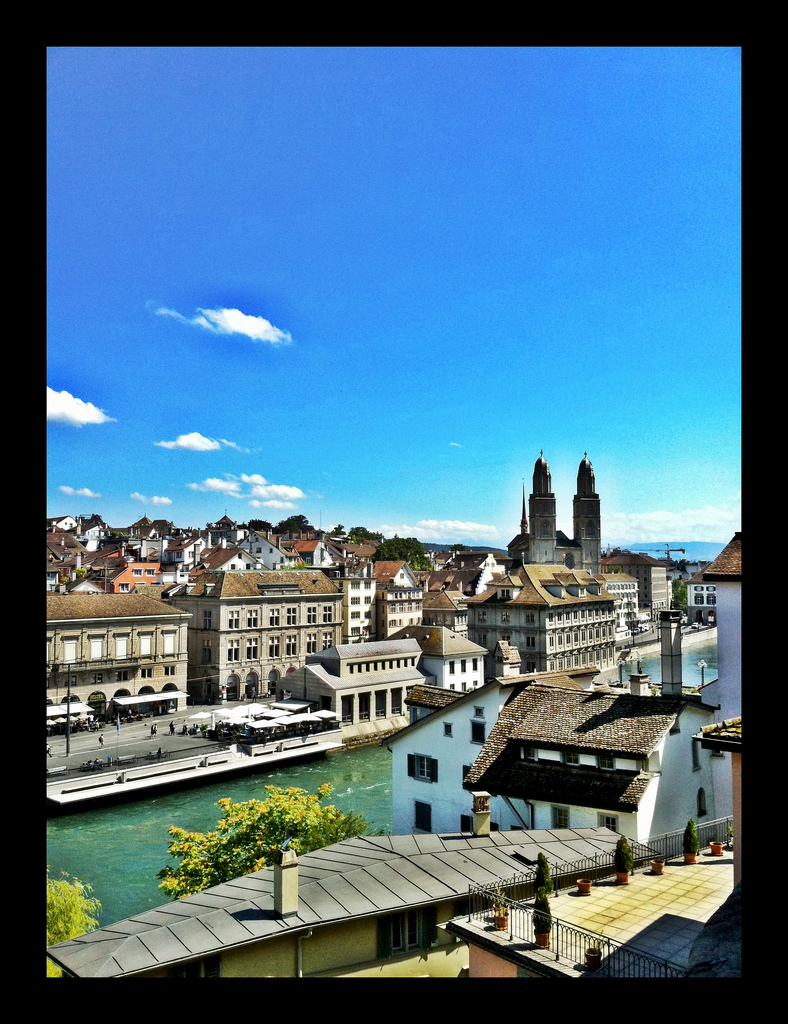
column 481, row 814
column 670, row 627
column 286, row 883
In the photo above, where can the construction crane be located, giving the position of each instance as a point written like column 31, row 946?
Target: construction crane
column 667, row 551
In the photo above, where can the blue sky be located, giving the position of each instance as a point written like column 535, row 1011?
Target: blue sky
column 370, row 285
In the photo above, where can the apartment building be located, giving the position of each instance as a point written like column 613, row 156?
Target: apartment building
column 250, row 630
column 127, row 649
column 398, row 597
column 556, row 617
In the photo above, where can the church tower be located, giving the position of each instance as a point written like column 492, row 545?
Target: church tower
column 587, row 518
column 541, row 505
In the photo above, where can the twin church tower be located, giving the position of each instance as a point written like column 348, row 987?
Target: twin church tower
column 542, row 543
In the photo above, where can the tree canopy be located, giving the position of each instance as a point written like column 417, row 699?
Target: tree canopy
column 361, row 535
column 294, row 524
column 250, row 833
column 71, row 911
column 402, row 549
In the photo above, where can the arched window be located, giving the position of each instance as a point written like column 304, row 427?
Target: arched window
column 701, row 802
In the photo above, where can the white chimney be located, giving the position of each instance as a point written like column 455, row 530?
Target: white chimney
column 670, row 627
column 481, row 814
column 286, row 883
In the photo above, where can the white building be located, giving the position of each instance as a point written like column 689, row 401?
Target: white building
column 454, row 661
column 556, row 751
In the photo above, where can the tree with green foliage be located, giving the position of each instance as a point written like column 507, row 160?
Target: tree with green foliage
column 691, row 843
column 361, row 535
column 294, row 524
column 622, row 856
column 543, row 918
column 402, row 549
column 542, row 879
column 680, row 594
column 250, row 833
column 71, row 911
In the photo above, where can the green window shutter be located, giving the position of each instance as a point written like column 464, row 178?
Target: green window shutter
column 429, row 918
column 384, row 938
column 433, row 770
column 411, row 765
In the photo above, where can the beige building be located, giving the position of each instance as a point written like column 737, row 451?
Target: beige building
column 652, row 579
column 116, row 653
column 250, row 630
column 556, row 617
column 398, row 597
column 624, row 589
column 359, row 623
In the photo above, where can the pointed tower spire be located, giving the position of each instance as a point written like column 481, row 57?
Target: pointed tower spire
column 523, row 520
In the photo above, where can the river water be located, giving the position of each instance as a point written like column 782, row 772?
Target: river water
column 119, row 850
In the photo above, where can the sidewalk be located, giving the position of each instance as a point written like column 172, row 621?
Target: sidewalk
column 135, row 738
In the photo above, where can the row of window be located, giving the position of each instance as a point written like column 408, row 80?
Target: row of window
column 98, row 647
column 274, row 616
column 275, row 647
column 375, row 666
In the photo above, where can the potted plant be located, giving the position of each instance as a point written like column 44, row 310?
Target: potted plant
column 716, row 847
column 593, row 957
column 657, row 865
column 623, row 861
column 691, row 842
column 542, row 879
column 543, row 919
column 584, row 886
column 500, row 910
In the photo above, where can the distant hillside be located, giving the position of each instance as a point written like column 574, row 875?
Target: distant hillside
column 693, row 549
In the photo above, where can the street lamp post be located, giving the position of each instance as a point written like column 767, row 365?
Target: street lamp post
column 702, row 667
column 621, row 663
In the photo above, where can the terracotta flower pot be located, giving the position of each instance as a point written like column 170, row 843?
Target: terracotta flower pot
column 657, row 866
column 689, row 858
column 501, row 921
column 622, row 878
column 593, row 958
column 542, row 940
column 584, row 886
column 716, row 849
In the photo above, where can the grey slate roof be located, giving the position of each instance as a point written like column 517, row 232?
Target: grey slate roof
column 365, row 876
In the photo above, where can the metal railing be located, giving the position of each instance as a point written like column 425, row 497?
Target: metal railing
column 569, row 943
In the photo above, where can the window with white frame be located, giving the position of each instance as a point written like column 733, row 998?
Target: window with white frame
column 233, row 650
column 606, row 761
column 422, row 767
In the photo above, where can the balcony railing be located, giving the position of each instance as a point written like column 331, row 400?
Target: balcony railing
column 568, row 942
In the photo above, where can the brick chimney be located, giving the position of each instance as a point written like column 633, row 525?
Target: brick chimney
column 481, row 814
column 286, row 883
column 670, row 628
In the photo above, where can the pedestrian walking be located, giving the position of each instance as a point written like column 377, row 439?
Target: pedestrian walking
column 172, row 728
column 155, row 728
column 152, row 730
column 49, row 750
column 101, row 739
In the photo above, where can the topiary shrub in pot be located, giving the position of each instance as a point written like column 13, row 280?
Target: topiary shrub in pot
column 691, row 842
column 623, row 860
column 542, row 879
column 543, row 919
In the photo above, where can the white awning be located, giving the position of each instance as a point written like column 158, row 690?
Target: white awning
column 292, row 705
column 77, row 708
column 325, row 713
column 149, row 698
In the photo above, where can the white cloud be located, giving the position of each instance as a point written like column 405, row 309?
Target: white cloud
column 260, row 494
column 233, row 321
column 716, row 524
column 193, row 442
column 454, row 444
column 82, row 492
column 213, row 485
column 155, row 500
column 443, row 529
column 272, row 504
column 64, row 408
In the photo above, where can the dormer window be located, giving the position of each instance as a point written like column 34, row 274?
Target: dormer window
column 570, row 757
column 505, row 595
